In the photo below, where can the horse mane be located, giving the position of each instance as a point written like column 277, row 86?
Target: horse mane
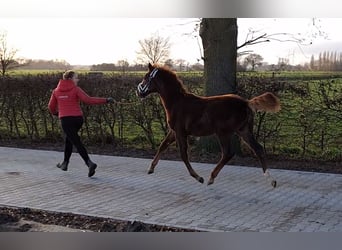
column 172, row 77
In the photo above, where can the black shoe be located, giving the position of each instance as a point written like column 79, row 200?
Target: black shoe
column 63, row 166
column 92, row 166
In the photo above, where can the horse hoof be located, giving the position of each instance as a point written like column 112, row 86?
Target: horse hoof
column 150, row 171
column 200, row 179
column 274, row 183
column 210, row 182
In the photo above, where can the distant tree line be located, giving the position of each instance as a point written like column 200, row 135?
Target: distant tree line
column 327, row 61
column 122, row 66
column 45, row 64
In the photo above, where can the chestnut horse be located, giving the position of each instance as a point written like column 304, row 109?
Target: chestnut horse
column 188, row 114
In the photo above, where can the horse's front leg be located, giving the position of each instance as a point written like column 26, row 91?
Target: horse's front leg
column 168, row 140
column 183, row 147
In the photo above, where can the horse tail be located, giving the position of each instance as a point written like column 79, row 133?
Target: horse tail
column 267, row 102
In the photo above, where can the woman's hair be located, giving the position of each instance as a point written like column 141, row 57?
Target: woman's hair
column 68, row 74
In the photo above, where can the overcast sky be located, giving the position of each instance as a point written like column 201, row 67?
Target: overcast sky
column 94, row 40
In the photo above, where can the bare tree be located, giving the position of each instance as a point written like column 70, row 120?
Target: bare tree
column 283, row 63
column 169, row 62
column 301, row 39
column 254, row 60
column 123, row 65
column 154, row 49
column 181, row 63
column 7, row 55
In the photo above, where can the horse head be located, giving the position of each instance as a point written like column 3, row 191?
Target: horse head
column 148, row 84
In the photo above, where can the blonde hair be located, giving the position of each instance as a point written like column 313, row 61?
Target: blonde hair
column 68, row 74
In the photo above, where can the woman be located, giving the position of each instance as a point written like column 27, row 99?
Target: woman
column 65, row 103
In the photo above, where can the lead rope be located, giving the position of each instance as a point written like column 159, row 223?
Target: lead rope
column 126, row 103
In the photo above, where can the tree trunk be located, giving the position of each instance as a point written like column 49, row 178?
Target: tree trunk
column 219, row 40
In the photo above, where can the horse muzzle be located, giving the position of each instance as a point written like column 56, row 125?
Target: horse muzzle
column 142, row 90
column 139, row 94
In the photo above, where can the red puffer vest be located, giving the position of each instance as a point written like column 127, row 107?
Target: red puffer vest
column 65, row 99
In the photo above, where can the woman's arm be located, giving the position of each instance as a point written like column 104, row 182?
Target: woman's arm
column 84, row 97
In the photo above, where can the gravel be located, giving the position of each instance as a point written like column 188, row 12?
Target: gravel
column 13, row 219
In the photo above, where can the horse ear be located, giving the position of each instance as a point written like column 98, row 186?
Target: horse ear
column 150, row 67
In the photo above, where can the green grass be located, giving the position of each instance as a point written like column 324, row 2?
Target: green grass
column 295, row 75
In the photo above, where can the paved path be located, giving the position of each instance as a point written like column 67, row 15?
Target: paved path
column 239, row 200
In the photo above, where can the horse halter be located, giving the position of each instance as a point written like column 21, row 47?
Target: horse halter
column 143, row 89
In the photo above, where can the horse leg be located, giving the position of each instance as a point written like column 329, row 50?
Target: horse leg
column 227, row 154
column 248, row 137
column 169, row 139
column 183, row 147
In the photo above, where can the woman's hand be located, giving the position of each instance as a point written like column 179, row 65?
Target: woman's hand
column 110, row 100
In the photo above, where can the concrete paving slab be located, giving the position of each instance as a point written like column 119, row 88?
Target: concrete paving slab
column 240, row 199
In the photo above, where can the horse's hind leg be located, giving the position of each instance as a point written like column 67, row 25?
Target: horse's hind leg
column 169, row 139
column 227, row 154
column 183, row 147
column 248, row 137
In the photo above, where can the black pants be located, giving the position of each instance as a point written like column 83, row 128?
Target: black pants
column 71, row 125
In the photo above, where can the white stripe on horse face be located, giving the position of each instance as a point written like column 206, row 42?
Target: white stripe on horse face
column 141, row 88
column 144, row 88
column 153, row 73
